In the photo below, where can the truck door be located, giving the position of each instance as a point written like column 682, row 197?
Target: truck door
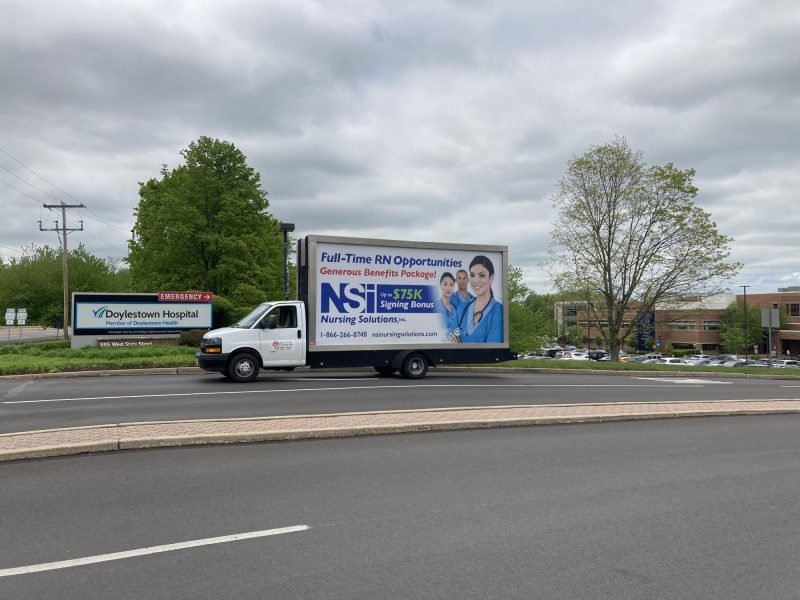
column 281, row 338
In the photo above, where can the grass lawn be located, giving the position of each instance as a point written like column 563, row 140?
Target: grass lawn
column 55, row 356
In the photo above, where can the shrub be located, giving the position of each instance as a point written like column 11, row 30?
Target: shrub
column 222, row 309
column 191, row 338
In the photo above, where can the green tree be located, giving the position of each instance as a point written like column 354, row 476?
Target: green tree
column 35, row 280
column 731, row 328
column 204, row 225
column 628, row 235
column 530, row 323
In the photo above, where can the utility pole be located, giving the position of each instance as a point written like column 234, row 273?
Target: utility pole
column 746, row 341
column 63, row 231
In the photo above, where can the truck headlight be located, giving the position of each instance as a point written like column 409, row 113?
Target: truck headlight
column 211, row 345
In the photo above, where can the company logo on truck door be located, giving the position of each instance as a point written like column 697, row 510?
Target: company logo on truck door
column 354, row 298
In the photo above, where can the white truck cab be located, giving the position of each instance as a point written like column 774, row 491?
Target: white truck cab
column 271, row 336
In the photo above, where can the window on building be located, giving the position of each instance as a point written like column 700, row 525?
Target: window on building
column 793, row 310
column 682, row 325
column 711, row 325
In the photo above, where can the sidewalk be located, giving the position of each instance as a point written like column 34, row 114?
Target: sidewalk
column 128, row 436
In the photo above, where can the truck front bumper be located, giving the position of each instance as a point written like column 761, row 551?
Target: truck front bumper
column 212, row 362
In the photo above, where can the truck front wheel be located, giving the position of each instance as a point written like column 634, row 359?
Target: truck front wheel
column 243, row 368
column 415, row 366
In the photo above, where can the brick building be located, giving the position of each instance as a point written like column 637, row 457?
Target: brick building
column 692, row 323
column 695, row 322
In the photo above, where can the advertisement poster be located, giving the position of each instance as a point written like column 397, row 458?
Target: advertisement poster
column 382, row 295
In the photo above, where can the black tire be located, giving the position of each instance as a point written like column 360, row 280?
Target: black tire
column 243, row 368
column 385, row 371
column 415, row 366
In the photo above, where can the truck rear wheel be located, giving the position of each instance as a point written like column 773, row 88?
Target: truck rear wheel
column 415, row 366
column 243, row 368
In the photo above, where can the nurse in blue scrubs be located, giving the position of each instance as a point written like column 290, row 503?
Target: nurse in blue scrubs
column 445, row 305
column 462, row 295
column 480, row 319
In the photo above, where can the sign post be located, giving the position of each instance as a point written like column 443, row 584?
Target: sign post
column 770, row 317
column 11, row 314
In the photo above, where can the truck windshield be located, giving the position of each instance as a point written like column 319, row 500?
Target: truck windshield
column 251, row 319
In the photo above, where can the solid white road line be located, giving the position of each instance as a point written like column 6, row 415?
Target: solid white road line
column 77, row 562
column 330, row 389
column 689, row 380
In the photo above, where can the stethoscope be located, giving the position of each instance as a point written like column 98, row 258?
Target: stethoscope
column 458, row 329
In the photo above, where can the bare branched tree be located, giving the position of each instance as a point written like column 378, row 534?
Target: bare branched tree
column 629, row 235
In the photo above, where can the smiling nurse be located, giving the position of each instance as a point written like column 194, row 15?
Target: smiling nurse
column 480, row 319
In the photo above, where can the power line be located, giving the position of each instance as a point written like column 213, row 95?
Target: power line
column 106, row 242
column 37, row 175
column 38, row 202
column 12, row 249
column 112, row 227
column 28, row 183
column 20, row 163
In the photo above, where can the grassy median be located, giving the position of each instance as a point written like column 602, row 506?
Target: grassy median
column 593, row 365
column 56, row 356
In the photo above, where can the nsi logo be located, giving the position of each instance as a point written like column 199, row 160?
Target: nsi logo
column 349, row 298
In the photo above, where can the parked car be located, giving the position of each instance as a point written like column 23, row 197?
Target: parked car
column 698, row 361
column 668, row 361
column 636, row 358
column 786, row 363
column 597, row 354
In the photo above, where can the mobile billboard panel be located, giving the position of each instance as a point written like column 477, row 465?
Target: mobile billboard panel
column 384, row 294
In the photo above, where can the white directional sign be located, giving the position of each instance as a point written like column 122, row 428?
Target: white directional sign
column 22, row 316
column 11, row 314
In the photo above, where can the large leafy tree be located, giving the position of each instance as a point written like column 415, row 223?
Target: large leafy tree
column 204, row 225
column 629, row 235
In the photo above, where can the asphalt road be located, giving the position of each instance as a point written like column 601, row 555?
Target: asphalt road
column 675, row 509
column 69, row 402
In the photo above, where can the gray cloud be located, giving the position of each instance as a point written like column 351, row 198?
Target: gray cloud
column 419, row 120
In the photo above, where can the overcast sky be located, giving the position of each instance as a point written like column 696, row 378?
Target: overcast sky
column 431, row 120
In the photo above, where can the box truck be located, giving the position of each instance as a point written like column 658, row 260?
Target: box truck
column 396, row 306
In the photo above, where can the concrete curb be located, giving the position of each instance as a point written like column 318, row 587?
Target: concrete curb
column 131, row 436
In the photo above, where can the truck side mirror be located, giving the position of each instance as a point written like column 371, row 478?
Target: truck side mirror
column 269, row 322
